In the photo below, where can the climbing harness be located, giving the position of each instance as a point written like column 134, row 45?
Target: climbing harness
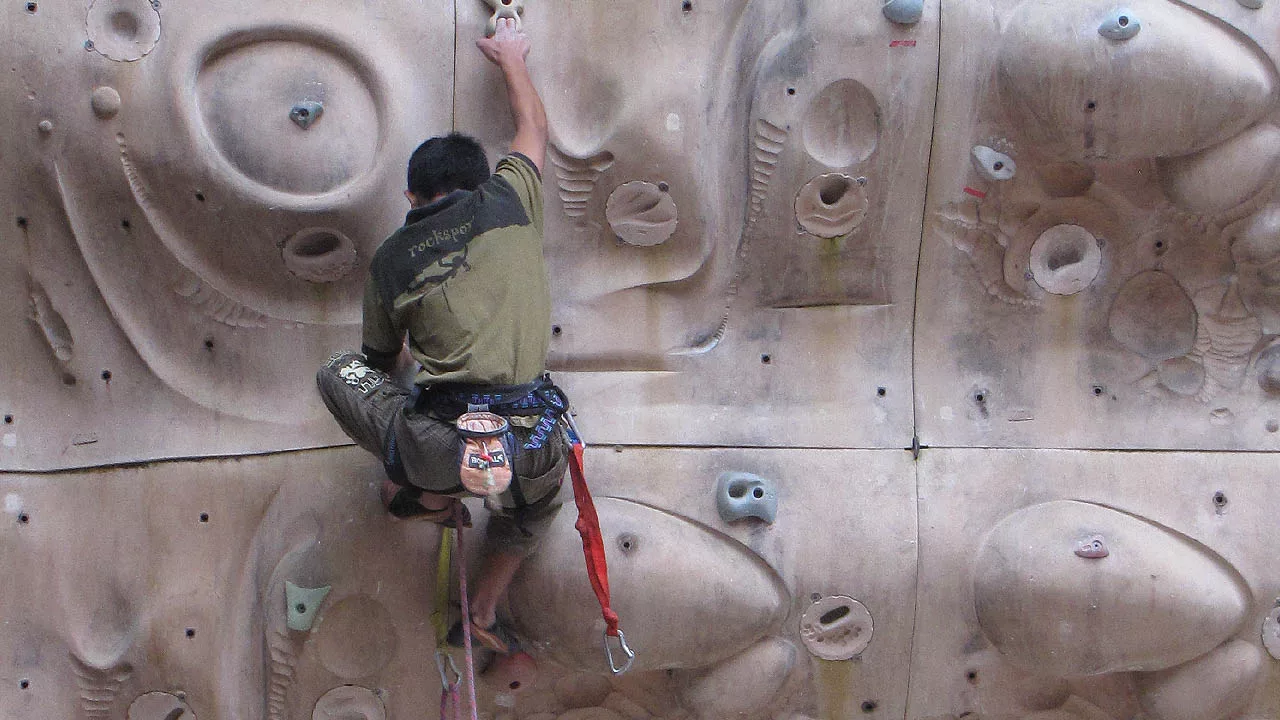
column 588, row 526
column 543, row 399
column 450, row 678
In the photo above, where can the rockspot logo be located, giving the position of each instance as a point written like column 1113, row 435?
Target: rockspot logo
column 360, row 376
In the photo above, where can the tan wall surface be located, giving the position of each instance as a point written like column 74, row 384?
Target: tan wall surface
column 789, row 240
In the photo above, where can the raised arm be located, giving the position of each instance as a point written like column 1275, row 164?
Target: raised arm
column 507, row 49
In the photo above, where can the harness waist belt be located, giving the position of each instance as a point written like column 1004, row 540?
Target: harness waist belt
column 541, row 397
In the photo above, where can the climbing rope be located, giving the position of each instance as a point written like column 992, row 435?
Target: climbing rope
column 450, row 678
column 470, row 665
column 588, row 526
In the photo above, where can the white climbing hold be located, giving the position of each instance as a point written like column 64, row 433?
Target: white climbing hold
column 992, row 164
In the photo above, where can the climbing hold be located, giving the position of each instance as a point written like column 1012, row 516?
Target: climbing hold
column 319, row 255
column 1120, row 25
column 836, row 628
column 903, row 12
column 45, row 127
column 1251, row 4
column 1093, row 548
column 349, row 701
column 160, row 706
column 1065, row 259
column 992, row 164
column 304, row 113
column 301, row 605
column 123, row 30
column 641, row 213
column 105, row 102
column 512, row 9
column 831, row 205
column 740, row 495
column 1271, row 632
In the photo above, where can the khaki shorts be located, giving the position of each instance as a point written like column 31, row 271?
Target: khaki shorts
column 368, row 406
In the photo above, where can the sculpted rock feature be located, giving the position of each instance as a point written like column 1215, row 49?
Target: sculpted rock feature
column 1051, row 611
column 928, row 352
column 737, row 600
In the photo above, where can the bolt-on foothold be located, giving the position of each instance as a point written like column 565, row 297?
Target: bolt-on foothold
column 512, row 9
column 1251, row 4
column 301, row 605
column 741, row 495
column 45, row 127
column 306, row 112
column 992, row 164
column 1120, row 24
column 1093, row 548
column 903, row 12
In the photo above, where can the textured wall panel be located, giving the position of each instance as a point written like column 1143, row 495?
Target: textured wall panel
column 773, row 155
column 1100, row 250
column 191, row 195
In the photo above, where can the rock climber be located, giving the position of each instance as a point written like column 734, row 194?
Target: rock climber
column 465, row 280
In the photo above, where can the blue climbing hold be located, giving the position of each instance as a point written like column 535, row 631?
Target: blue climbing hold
column 1121, row 24
column 903, row 12
column 741, row 495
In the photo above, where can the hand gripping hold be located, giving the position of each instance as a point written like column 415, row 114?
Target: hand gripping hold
column 504, row 9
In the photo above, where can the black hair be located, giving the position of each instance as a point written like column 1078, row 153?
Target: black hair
column 444, row 164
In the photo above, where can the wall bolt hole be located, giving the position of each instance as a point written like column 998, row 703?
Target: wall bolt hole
column 191, row 632
column 301, row 608
column 32, row 7
column 24, row 684
column 22, row 222
column 766, row 359
column 24, row 518
column 8, row 419
column 106, row 375
column 1098, row 390
column 686, row 6
column 880, row 392
column 791, row 91
column 204, row 517
column 663, row 187
column 557, row 330
column 199, row 196
column 869, row 706
column 1220, row 498
column 757, row 493
column 208, row 343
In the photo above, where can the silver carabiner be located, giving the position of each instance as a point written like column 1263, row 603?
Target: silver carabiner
column 622, row 644
column 441, row 658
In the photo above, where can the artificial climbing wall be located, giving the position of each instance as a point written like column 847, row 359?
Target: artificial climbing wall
column 1036, row 241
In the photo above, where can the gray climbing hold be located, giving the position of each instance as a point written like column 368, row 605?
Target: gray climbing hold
column 306, row 112
column 1121, row 24
column 1093, row 548
column 1251, row 4
column 302, row 604
column 903, row 12
column 992, row 164
column 741, row 495
column 45, row 127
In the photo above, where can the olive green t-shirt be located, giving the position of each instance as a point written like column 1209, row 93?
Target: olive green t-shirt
column 466, row 279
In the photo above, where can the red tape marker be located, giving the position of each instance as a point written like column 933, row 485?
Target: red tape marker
column 976, row 193
column 902, row 43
